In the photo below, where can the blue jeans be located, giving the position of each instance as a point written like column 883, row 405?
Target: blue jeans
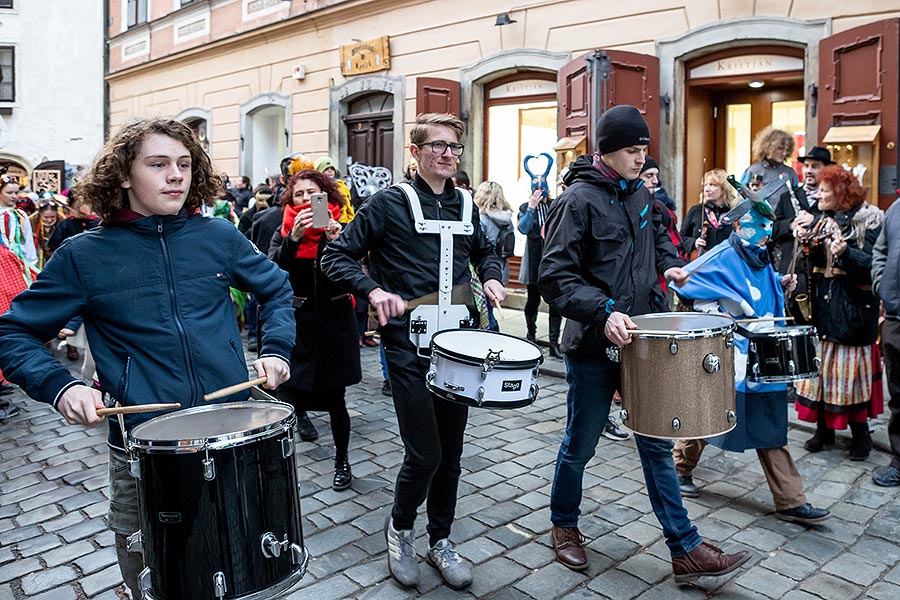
column 592, row 382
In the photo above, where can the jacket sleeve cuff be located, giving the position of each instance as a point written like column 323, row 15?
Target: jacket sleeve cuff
column 277, row 348
column 64, row 388
column 365, row 287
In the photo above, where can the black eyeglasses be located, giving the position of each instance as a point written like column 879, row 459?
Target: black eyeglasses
column 441, row 147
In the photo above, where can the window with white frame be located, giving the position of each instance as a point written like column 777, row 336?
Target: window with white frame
column 137, row 12
column 6, row 4
column 7, row 74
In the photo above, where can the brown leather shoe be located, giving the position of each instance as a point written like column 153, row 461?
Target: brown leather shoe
column 706, row 561
column 567, row 543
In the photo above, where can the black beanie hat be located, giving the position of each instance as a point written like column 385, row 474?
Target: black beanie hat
column 649, row 163
column 620, row 127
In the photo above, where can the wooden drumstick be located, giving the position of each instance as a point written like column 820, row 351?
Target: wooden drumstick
column 763, row 319
column 496, row 304
column 138, row 408
column 233, row 389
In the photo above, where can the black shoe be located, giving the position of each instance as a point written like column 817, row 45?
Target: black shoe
column 252, row 346
column 805, row 514
column 822, row 438
column 308, row 432
column 6, row 389
column 887, row 476
column 342, row 475
column 554, row 351
column 8, row 411
column 687, row 487
column 860, row 446
column 386, row 388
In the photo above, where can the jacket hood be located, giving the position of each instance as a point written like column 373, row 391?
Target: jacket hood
column 583, row 170
column 499, row 216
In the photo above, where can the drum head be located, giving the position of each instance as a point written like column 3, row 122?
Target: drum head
column 205, row 425
column 687, row 324
column 475, row 344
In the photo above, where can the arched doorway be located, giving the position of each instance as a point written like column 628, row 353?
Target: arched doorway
column 198, row 120
column 265, row 138
column 370, row 130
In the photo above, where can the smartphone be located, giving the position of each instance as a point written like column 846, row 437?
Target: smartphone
column 319, row 204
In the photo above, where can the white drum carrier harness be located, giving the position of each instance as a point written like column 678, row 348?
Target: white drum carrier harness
column 428, row 319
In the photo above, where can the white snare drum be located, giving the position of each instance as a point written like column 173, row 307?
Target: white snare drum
column 483, row 368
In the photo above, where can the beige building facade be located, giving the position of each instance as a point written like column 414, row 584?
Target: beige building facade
column 261, row 78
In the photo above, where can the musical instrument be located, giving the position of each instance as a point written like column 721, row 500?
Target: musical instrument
column 483, row 368
column 138, row 408
column 795, row 203
column 781, row 354
column 219, row 504
column 678, row 376
column 234, row 389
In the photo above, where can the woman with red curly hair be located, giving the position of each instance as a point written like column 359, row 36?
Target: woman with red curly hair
column 845, row 313
column 325, row 359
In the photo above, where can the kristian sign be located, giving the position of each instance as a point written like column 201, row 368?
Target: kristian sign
column 749, row 64
column 366, row 57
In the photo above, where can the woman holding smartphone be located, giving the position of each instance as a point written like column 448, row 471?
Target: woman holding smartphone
column 325, row 359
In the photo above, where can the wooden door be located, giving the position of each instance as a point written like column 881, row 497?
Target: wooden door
column 371, row 141
column 858, row 85
column 633, row 79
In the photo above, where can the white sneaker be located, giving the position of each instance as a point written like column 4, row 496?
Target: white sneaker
column 402, row 560
column 612, row 431
column 453, row 569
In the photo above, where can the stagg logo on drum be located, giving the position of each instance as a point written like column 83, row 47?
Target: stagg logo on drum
column 170, row 517
column 510, row 385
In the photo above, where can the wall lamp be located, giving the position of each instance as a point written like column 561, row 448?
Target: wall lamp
column 503, row 19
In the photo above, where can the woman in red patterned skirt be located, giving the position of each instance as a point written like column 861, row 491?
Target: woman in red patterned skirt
column 845, row 313
column 17, row 257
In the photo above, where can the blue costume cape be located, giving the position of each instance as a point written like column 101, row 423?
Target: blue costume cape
column 739, row 278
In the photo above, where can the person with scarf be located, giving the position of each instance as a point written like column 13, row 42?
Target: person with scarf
column 18, row 257
column 325, row 360
column 601, row 258
column 737, row 278
column 703, row 228
column 840, row 242
column 43, row 223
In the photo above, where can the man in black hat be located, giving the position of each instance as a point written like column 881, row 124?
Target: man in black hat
column 602, row 257
column 788, row 218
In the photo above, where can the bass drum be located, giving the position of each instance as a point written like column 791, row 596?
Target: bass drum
column 219, row 504
column 678, row 379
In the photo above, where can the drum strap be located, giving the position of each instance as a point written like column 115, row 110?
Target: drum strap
column 446, row 229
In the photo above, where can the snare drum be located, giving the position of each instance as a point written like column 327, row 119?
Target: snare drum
column 678, row 383
column 219, row 504
column 781, row 354
column 483, row 368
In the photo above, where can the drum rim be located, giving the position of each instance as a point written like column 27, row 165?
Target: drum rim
column 705, row 333
column 783, row 378
column 465, row 400
column 213, row 442
column 783, row 332
column 502, row 365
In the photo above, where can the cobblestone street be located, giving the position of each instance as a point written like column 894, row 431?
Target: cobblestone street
column 54, row 544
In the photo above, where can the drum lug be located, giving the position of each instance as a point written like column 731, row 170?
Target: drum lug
column 144, row 581
column 490, row 361
column 731, row 417
column 752, row 346
column 299, row 556
column 480, row 399
column 673, row 347
column 711, row 363
column 788, row 345
column 454, row 388
column 818, row 362
column 219, row 584
column 134, row 467
column 533, row 392
column 271, row 547
column 429, row 376
column 792, row 368
column 676, row 424
column 729, row 340
column 209, row 469
column 134, row 542
column 755, row 369
column 287, row 447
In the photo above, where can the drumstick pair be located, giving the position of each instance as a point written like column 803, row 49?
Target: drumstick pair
column 140, row 408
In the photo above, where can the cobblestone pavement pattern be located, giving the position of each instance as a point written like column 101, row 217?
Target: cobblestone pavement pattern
column 54, row 544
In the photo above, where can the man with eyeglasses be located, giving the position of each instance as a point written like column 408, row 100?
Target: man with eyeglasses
column 406, row 267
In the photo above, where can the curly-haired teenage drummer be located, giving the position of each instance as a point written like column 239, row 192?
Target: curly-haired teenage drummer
column 737, row 277
column 602, row 256
column 153, row 286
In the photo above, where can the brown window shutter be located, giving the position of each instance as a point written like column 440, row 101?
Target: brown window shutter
column 436, row 95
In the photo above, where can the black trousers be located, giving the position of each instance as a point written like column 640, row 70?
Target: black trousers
column 532, row 303
column 890, row 350
column 432, row 432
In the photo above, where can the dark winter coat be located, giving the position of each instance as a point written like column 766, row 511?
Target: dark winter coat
column 692, row 228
